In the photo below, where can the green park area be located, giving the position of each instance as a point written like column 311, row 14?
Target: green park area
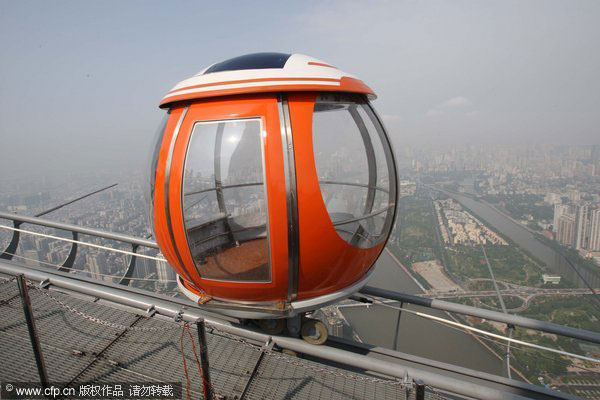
column 510, row 302
column 581, row 312
column 413, row 238
column 521, row 206
column 508, row 263
column 576, row 311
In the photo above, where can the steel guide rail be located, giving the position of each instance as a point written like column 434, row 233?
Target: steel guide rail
column 544, row 326
column 23, row 219
column 189, row 311
column 75, row 230
column 509, row 319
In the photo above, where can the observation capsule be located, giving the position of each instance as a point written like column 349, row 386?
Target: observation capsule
column 273, row 185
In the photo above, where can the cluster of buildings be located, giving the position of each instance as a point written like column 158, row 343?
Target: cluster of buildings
column 504, row 162
column 509, row 169
column 120, row 209
column 578, row 226
column 406, row 188
column 458, row 226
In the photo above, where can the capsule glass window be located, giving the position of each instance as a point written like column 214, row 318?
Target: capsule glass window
column 355, row 169
column 224, row 201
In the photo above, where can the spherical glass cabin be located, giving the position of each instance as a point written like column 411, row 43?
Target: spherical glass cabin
column 273, row 184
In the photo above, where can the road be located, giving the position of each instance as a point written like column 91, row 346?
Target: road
column 526, row 294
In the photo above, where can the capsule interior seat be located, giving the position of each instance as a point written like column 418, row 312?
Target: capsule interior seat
column 272, row 184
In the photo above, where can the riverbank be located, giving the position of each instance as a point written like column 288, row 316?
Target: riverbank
column 415, row 280
column 377, row 326
column 527, row 241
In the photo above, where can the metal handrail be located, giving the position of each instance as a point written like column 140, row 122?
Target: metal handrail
column 23, row 219
column 223, row 187
column 322, row 182
column 75, row 230
column 463, row 309
column 362, row 217
column 459, row 380
column 362, row 185
column 530, row 323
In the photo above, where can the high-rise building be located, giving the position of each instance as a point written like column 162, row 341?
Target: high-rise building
column 163, row 270
column 566, row 230
column 552, row 198
column 574, row 196
column 594, row 243
column 92, row 266
column 31, row 258
column 559, row 210
column 582, row 227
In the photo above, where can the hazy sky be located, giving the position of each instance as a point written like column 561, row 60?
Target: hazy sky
column 80, row 81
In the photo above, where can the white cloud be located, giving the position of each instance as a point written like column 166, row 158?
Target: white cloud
column 456, row 102
column 453, row 103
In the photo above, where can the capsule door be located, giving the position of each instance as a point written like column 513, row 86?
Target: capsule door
column 346, row 189
column 225, row 198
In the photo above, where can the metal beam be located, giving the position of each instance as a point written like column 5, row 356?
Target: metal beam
column 496, row 381
column 206, row 383
column 35, row 340
column 74, row 200
column 20, row 219
column 517, row 320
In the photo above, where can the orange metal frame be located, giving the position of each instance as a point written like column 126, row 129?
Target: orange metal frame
column 327, row 263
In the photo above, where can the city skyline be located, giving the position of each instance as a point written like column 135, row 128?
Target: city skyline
column 83, row 86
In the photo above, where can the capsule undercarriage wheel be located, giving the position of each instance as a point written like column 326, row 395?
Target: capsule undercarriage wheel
column 272, row 326
column 314, row 331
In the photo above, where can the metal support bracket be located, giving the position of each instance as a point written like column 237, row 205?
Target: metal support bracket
column 150, row 311
column 130, row 268
column 420, row 390
column 68, row 264
column 408, row 384
column 33, row 335
column 268, row 346
column 179, row 316
column 206, row 382
column 7, row 254
column 293, row 325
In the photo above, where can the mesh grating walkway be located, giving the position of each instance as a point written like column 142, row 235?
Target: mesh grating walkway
column 79, row 350
column 278, row 379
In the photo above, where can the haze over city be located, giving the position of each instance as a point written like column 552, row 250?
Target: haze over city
column 82, row 80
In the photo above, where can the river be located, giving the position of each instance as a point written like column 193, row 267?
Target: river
column 417, row 336
column 526, row 240
column 376, row 325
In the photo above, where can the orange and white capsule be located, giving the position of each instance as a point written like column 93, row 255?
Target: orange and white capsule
column 273, row 185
